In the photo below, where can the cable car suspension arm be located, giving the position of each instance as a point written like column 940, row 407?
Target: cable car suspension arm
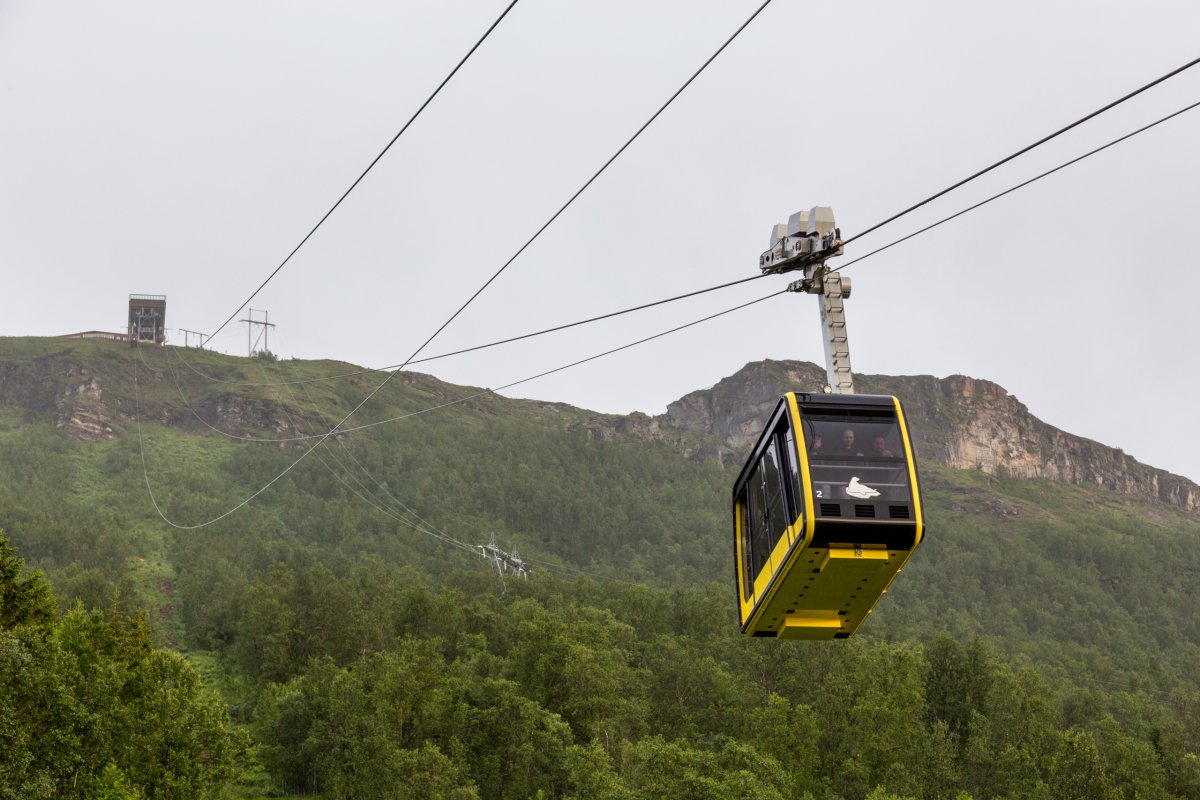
column 802, row 245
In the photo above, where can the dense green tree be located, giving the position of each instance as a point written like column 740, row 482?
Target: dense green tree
column 790, row 735
column 1076, row 771
column 956, row 684
column 590, row 775
column 661, row 770
column 511, row 747
column 88, row 707
column 578, row 662
column 1132, row 766
column 23, row 601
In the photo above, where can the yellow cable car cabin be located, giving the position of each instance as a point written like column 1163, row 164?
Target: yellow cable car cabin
column 826, row 513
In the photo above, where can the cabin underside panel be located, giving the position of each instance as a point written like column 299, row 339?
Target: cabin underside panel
column 829, row 592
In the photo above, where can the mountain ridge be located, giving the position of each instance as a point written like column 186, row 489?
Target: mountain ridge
column 958, row 421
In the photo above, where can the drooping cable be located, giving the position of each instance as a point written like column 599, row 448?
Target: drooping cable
column 409, row 518
column 375, row 161
column 419, row 525
column 286, row 439
column 324, row 436
column 409, row 515
column 1025, row 149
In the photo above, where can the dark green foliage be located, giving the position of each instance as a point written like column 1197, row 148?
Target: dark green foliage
column 560, row 688
column 88, row 708
column 1044, row 642
column 23, row 601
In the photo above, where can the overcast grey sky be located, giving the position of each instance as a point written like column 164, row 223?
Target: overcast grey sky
column 185, row 149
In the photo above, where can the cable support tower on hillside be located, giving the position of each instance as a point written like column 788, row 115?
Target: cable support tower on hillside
column 506, row 563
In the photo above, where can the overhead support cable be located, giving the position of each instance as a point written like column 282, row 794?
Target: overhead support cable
column 625, row 311
column 472, row 349
column 413, row 360
column 1021, row 185
column 638, row 342
column 358, row 180
column 338, row 427
column 588, row 183
column 1024, row 150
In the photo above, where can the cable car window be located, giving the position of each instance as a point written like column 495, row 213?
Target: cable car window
column 744, row 512
column 776, row 506
column 766, row 511
column 857, row 458
column 790, row 453
column 756, row 522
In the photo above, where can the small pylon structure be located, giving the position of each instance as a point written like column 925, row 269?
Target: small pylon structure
column 505, row 563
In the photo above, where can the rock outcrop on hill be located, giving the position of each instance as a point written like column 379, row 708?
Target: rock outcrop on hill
column 958, row 421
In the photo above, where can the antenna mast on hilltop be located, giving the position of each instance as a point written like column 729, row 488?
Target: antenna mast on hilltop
column 252, row 342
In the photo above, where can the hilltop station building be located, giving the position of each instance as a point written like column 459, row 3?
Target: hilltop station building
column 147, row 319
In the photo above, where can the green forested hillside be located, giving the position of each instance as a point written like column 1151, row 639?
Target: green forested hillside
column 1042, row 643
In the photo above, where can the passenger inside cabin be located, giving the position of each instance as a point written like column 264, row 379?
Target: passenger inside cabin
column 879, row 448
column 848, row 448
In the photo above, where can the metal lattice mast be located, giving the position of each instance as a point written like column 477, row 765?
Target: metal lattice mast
column 505, row 563
column 250, row 323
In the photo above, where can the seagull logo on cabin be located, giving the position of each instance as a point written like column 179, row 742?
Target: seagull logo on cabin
column 860, row 490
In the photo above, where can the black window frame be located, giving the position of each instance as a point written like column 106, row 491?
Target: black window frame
column 757, row 542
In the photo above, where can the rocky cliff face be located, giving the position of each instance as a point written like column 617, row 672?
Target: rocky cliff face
column 61, row 389
column 87, row 390
column 958, row 421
